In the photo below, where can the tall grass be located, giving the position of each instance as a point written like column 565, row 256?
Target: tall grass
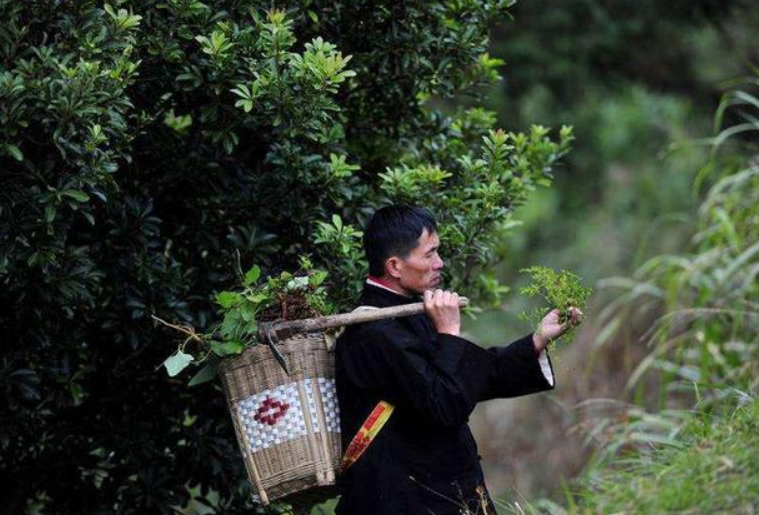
column 710, row 294
column 694, row 449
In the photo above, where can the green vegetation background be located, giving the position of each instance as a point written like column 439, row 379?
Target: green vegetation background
column 640, row 82
column 641, row 85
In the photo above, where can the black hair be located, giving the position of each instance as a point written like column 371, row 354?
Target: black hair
column 395, row 231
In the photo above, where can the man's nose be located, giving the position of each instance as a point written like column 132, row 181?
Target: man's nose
column 437, row 265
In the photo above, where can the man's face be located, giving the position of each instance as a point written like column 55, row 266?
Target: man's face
column 421, row 269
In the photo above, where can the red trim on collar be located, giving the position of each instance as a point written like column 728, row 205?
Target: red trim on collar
column 380, row 281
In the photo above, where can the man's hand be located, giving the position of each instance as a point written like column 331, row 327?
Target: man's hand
column 550, row 328
column 443, row 309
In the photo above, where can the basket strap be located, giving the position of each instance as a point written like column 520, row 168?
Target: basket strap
column 366, row 434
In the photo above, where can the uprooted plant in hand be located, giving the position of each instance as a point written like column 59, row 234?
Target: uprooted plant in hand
column 560, row 289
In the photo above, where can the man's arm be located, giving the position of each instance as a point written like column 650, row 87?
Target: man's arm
column 518, row 369
column 521, row 368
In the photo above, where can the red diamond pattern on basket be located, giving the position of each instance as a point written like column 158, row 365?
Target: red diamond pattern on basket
column 290, row 424
column 270, row 411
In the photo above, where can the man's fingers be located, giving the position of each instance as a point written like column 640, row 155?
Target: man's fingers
column 553, row 316
column 440, row 298
column 575, row 316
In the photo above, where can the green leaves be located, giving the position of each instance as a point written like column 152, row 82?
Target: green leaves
column 227, row 299
column 218, row 45
column 77, row 195
column 674, row 460
column 343, row 239
column 177, row 362
column 561, row 290
column 418, row 185
column 248, row 95
column 339, row 168
column 227, row 348
column 123, row 20
column 276, row 35
column 473, row 176
column 322, row 66
column 179, row 123
column 13, row 151
column 252, row 275
column 205, row 374
column 290, row 91
column 317, row 278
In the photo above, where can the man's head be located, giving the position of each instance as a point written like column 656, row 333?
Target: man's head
column 401, row 245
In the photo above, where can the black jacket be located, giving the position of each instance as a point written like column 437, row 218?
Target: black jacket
column 424, row 460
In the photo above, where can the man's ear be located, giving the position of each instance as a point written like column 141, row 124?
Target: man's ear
column 393, row 267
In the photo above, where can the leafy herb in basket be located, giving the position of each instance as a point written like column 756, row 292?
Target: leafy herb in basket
column 560, row 290
column 288, row 296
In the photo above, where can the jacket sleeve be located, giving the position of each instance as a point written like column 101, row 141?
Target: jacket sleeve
column 442, row 382
column 518, row 371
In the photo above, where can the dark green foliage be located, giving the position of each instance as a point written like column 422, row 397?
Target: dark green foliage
column 148, row 149
column 608, row 42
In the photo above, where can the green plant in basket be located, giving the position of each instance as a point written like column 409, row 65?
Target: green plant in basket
column 287, row 296
column 560, row 289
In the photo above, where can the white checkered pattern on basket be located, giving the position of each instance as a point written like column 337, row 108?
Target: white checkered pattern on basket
column 331, row 408
column 274, row 416
column 329, row 402
column 312, row 405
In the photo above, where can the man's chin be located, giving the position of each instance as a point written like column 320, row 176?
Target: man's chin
column 432, row 286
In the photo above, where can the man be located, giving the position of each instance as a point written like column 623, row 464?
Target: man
column 424, row 459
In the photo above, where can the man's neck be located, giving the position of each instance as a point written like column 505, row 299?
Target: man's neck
column 383, row 283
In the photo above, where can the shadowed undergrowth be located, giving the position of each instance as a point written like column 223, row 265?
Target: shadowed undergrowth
column 710, row 466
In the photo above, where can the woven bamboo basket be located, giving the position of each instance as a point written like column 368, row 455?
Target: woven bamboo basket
column 287, row 422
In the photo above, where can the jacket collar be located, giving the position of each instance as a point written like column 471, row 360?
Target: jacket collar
column 383, row 297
